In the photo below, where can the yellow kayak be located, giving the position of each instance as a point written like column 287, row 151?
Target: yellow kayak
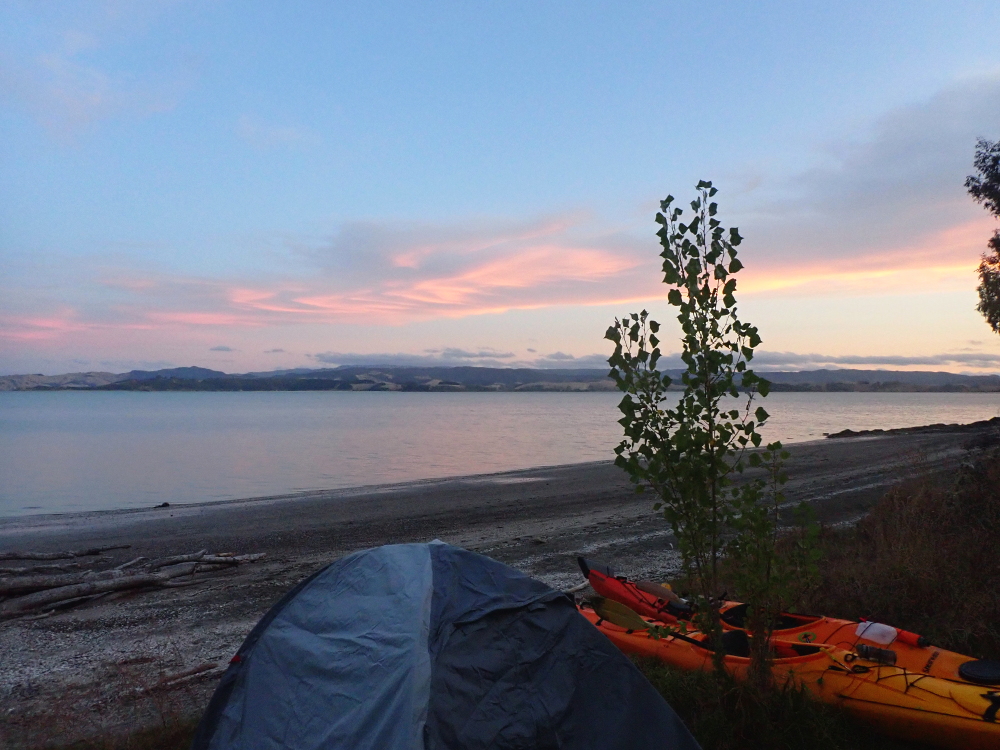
column 897, row 701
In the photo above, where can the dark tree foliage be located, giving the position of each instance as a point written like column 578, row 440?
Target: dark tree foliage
column 985, row 189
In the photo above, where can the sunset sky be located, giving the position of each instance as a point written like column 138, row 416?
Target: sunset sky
column 250, row 186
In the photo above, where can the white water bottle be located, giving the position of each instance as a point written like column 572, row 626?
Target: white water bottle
column 876, row 632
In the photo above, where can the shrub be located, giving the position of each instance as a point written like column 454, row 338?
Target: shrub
column 726, row 715
column 924, row 559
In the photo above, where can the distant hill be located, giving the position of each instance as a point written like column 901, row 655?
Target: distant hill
column 356, row 378
column 393, row 378
column 184, row 373
column 880, row 380
column 81, row 380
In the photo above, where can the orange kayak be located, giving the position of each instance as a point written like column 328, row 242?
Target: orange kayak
column 910, row 651
column 898, row 701
column 848, row 635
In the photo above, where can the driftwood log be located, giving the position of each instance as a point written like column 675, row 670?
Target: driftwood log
column 21, row 595
column 165, row 561
column 38, row 569
column 27, row 584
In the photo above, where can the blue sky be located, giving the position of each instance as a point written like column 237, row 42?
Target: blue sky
column 248, row 186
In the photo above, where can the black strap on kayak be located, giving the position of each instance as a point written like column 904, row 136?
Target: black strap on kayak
column 588, row 565
column 692, row 641
column 990, row 714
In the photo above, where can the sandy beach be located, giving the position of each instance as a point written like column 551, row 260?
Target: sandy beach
column 123, row 659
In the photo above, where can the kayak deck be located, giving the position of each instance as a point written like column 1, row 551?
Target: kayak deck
column 903, row 703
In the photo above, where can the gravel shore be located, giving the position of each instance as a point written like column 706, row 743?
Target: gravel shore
column 120, row 661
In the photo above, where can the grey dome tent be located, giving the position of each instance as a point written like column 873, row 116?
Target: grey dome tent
column 428, row 646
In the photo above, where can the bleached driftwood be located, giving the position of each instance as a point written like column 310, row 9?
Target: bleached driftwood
column 178, row 679
column 168, row 681
column 165, row 561
column 132, row 563
column 90, row 588
column 27, row 584
column 232, row 559
column 32, row 593
column 39, row 569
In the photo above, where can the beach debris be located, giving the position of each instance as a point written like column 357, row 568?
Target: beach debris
column 132, row 563
column 171, row 681
column 64, row 568
column 44, row 589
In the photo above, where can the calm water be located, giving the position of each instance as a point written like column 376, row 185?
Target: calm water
column 67, row 451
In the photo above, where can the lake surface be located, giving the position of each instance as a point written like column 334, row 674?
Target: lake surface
column 71, row 451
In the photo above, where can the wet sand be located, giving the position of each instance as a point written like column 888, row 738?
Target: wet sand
column 97, row 666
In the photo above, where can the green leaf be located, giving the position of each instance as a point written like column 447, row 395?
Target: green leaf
column 734, row 265
column 674, row 297
column 761, row 414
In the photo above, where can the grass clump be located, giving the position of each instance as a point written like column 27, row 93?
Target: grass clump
column 169, row 735
column 924, row 560
column 727, row 715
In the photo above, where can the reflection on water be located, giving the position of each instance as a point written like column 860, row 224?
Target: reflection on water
column 67, row 451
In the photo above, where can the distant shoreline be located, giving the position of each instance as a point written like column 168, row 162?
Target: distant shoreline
column 609, row 387
column 478, row 379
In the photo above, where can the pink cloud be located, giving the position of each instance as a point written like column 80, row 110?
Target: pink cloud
column 61, row 324
column 202, row 319
column 393, row 276
column 34, row 329
column 452, row 272
column 946, row 258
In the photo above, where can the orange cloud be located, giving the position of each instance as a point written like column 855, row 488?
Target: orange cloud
column 423, row 274
column 528, row 276
column 944, row 260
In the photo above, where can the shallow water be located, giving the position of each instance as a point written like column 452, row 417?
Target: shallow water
column 71, row 451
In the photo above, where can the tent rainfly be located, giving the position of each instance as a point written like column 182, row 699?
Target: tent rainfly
column 428, row 646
